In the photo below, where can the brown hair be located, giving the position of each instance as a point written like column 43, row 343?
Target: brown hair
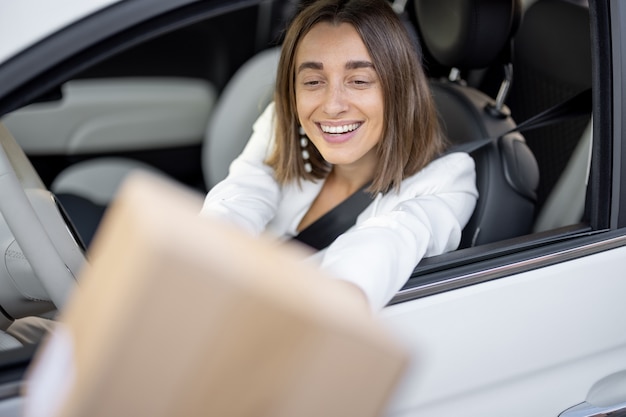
column 411, row 135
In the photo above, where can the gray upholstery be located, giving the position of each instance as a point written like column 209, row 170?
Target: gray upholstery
column 86, row 188
column 108, row 116
column 566, row 203
column 8, row 342
column 248, row 92
column 104, row 115
column 98, row 179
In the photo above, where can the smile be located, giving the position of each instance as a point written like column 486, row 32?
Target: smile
column 340, row 129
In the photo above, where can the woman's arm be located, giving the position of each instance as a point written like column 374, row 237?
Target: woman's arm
column 379, row 254
column 249, row 195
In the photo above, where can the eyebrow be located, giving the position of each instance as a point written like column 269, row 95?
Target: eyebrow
column 350, row 65
column 359, row 64
column 310, row 65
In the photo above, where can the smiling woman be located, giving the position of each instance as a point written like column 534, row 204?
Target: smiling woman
column 339, row 100
column 352, row 112
column 340, row 107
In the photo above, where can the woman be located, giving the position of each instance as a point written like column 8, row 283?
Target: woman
column 352, row 108
column 350, row 80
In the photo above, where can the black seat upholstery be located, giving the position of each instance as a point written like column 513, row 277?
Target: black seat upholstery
column 552, row 63
column 507, row 173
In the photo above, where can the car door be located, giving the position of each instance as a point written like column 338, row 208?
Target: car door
column 532, row 327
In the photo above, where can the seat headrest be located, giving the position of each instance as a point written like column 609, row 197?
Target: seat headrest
column 467, row 34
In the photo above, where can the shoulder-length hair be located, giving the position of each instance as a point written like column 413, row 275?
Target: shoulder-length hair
column 411, row 136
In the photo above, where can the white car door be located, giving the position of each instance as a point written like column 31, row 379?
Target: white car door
column 537, row 329
column 531, row 344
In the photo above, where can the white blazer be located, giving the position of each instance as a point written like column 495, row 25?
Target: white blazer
column 390, row 237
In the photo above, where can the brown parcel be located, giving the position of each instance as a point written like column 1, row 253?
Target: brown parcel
column 180, row 315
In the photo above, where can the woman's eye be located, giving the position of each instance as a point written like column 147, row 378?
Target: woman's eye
column 312, row 83
column 361, row 83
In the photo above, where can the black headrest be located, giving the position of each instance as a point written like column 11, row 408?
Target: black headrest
column 467, row 34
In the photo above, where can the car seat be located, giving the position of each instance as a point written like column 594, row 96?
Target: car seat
column 565, row 205
column 467, row 35
column 245, row 96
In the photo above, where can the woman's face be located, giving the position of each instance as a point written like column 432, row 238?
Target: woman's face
column 339, row 98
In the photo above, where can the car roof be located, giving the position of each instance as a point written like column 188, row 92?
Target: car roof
column 25, row 22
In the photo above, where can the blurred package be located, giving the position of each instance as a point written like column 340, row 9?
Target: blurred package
column 180, row 315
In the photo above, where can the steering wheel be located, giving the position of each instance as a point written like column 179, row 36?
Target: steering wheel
column 42, row 253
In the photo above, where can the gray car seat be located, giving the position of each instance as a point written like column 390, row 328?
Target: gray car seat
column 248, row 92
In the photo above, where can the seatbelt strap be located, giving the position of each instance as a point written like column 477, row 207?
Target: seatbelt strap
column 578, row 105
column 327, row 228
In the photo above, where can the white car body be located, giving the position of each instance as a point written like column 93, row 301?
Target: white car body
column 535, row 343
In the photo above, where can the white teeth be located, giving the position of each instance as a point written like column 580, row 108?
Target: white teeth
column 340, row 129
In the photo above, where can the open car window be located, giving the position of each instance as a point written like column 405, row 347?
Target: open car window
column 190, row 52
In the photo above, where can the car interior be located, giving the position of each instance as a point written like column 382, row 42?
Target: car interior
column 185, row 113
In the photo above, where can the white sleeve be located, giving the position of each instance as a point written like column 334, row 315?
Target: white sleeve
column 379, row 254
column 249, row 195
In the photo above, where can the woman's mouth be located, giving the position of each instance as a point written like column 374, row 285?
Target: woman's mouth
column 339, row 129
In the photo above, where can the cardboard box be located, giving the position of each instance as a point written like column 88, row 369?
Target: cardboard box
column 180, row 315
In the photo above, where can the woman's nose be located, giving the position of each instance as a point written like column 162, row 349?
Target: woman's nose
column 335, row 100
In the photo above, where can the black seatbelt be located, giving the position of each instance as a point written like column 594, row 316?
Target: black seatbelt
column 578, row 105
column 327, row 228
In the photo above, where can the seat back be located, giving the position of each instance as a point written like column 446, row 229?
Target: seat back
column 552, row 63
column 506, row 170
column 565, row 204
column 241, row 102
column 469, row 36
